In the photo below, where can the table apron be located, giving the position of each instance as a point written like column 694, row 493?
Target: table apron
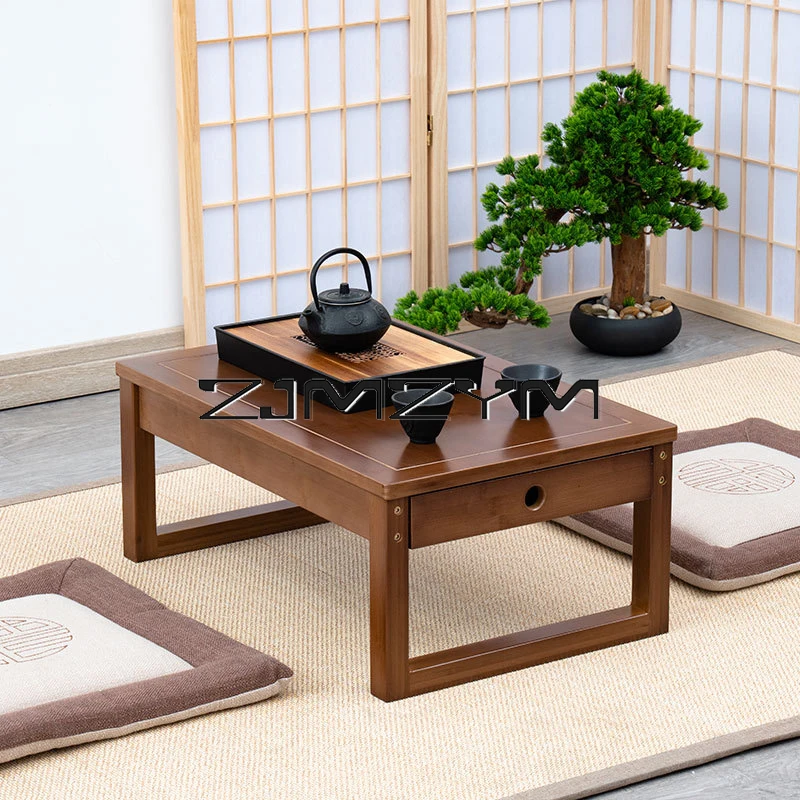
column 537, row 496
column 215, row 440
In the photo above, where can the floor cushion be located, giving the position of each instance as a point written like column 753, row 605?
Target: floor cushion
column 85, row 656
column 735, row 507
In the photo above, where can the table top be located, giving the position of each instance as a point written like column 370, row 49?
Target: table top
column 376, row 455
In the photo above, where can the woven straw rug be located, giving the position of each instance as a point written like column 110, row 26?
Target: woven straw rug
column 726, row 677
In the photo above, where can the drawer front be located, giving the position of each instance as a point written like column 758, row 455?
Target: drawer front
column 533, row 497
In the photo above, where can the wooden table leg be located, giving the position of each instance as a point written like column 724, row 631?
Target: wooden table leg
column 652, row 522
column 138, row 478
column 388, row 598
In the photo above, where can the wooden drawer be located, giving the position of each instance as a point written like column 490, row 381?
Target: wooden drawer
column 532, row 497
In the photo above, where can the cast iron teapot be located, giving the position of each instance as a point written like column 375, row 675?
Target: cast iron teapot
column 344, row 320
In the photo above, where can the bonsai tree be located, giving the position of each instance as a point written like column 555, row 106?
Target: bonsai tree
column 617, row 169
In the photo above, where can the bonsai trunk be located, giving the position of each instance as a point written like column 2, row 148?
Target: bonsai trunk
column 628, row 261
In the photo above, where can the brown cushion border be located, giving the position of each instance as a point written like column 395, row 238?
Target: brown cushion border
column 690, row 553
column 223, row 668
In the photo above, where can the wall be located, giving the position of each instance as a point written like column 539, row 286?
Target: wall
column 89, row 231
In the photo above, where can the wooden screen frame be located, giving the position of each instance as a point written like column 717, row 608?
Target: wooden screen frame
column 712, row 306
column 189, row 158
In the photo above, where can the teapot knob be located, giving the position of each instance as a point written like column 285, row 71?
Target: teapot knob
column 344, row 288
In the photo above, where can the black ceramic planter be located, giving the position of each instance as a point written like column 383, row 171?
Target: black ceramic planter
column 613, row 337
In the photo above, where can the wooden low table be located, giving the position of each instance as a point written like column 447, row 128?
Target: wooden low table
column 363, row 474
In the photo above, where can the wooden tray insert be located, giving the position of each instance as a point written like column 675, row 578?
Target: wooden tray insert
column 398, row 351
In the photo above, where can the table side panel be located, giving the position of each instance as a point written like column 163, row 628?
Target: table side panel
column 499, row 504
column 313, row 489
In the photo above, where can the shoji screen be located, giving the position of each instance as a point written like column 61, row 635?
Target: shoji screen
column 295, row 115
column 736, row 66
column 511, row 67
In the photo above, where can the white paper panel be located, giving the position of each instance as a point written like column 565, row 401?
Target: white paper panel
column 729, row 181
column 395, row 280
column 251, row 77
column 589, row 34
column 620, row 31
column 326, row 221
column 459, row 46
column 216, row 168
column 249, row 18
column 362, row 219
column 728, row 267
column 252, row 161
column 784, row 204
column 732, row 39
column 730, row 119
column 396, row 216
column 459, row 5
column 290, row 233
column 679, row 89
column 255, row 239
column 755, row 275
column 459, row 130
column 324, row 74
column 288, row 73
column 787, row 107
column 218, row 244
column 461, row 261
column 524, row 119
column 213, row 72
column 360, row 64
column 556, row 37
column 676, row 259
column 704, row 110
column 760, row 45
column 461, row 202
column 555, row 275
column 293, row 293
column 322, row 13
column 556, row 99
column 394, row 8
column 788, row 50
column 486, row 175
column 361, row 143
column 395, row 81
column 287, row 15
column 702, row 260
column 490, row 48
column 212, row 19
column 491, row 113
column 290, row 154
column 255, row 299
column 583, row 79
column 220, row 309
column 359, row 10
column 706, row 51
column 586, row 266
column 395, row 138
column 524, row 36
column 757, row 200
column 679, row 52
column 326, row 149
column 783, row 282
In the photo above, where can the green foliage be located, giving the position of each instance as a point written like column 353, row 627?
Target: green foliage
column 441, row 310
column 617, row 168
column 630, row 300
column 626, row 145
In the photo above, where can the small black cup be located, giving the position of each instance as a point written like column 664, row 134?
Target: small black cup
column 419, row 429
column 520, row 373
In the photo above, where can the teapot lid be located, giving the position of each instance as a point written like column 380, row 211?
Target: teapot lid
column 344, row 296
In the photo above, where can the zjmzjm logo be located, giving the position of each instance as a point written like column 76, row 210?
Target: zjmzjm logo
column 345, row 402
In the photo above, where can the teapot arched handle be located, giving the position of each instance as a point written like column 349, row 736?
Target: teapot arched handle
column 324, row 257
